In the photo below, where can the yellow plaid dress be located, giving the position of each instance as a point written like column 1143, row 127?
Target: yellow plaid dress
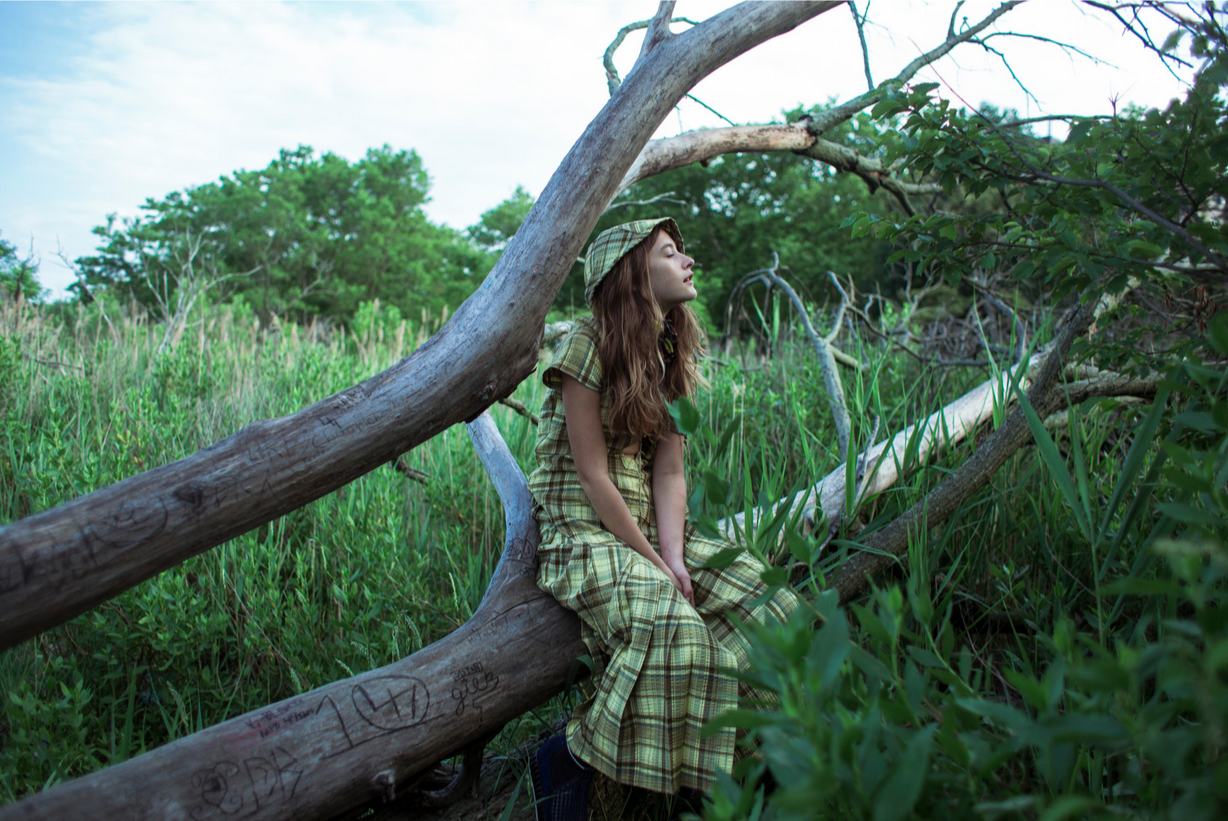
column 658, row 660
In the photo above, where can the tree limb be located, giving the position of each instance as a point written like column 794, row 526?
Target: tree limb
column 701, row 145
column 860, row 22
column 834, row 116
column 347, row 743
column 607, row 59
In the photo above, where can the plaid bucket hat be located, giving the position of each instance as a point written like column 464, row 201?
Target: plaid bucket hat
column 612, row 243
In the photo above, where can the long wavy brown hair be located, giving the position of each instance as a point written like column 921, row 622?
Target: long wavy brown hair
column 630, row 323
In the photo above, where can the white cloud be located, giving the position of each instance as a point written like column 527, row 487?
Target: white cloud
column 491, row 95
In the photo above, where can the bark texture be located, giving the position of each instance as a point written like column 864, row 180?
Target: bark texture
column 59, row 563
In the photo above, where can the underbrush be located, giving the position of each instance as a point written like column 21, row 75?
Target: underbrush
column 1054, row 649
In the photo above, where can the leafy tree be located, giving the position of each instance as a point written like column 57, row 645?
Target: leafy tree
column 497, row 226
column 18, row 276
column 306, row 236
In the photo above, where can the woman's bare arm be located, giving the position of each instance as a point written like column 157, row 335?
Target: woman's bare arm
column 582, row 409
column 669, row 499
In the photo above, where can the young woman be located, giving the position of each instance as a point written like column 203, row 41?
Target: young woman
column 616, row 548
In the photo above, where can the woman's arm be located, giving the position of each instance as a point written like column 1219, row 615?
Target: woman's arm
column 582, row 409
column 669, row 499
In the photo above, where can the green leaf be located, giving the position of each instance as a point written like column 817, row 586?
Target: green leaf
column 723, row 558
column 1078, row 131
column 775, row 576
column 686, row 415
column 886, row 107
column 899, row 793
column 868, row 664
column 1217, row 332
column 1055, row 463
column 742, row 719
column 1069, row 806
column 1133, row 465
column 1142, row 587
column 925, row 658
column 829, row 649
column 716, row 487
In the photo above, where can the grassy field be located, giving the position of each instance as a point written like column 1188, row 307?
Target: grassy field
column 1021, row 576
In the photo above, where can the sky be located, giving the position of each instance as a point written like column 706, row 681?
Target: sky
column 103, row 105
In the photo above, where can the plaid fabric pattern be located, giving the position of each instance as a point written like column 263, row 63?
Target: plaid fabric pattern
column 612, row 243
column 658, row 676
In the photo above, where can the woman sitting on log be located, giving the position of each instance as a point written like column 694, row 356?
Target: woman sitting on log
column 616, row 548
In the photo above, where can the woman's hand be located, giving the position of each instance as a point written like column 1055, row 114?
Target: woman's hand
column 680, row 578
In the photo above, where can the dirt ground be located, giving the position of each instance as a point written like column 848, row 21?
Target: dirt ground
column 503, row 794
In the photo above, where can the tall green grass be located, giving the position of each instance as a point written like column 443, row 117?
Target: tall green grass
column 355, row 580
column 388, row 564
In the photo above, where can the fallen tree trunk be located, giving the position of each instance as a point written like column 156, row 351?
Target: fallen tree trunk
column 1046, row 395
column 59, row 563
column 346, row 743
column 888, row 459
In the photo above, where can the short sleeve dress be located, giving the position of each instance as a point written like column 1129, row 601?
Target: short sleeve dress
column 658, row 661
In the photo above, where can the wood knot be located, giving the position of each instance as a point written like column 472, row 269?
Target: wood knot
column 385, row 783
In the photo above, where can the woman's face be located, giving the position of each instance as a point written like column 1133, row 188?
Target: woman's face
column 669, row 272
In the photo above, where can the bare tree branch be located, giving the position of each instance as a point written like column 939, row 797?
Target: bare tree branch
column 860, row 22
column 521, row 408
column 666, row 154
column 822, row 348
column 611, row 72
column 700, row 146
column 668, row 196
column 838, row 114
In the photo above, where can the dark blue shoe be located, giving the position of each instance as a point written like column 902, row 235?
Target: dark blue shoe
column 562, row 802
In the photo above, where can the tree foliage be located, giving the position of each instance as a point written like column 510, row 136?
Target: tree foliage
column 1109, row 700
column 18, row 276
column 304, row 237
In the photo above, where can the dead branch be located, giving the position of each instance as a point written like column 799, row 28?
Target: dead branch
column 859, row 20
column 555, row 331
column 607, row 59
column 804, row 137
column 841, row 113
column 407, row 470
column 823, row 347
column 885, row 463
column 520, row 408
